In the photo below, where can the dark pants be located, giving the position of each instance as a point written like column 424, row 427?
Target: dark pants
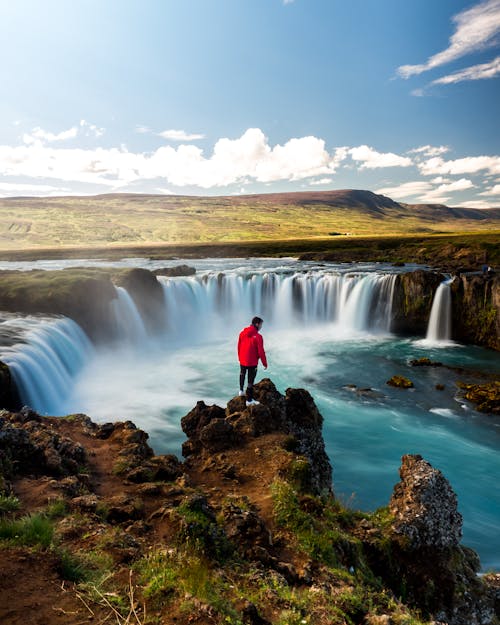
column 252, row 372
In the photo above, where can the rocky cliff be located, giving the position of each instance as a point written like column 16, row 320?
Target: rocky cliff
column 246, row 530
column 476, row 310
column 475, row 306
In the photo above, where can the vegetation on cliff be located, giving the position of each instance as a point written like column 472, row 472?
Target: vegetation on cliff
column 245, row 531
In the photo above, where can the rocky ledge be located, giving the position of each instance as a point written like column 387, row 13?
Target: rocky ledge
column 245, row 530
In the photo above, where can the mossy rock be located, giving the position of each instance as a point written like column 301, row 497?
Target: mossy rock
column 400, row 381
column 486, row 397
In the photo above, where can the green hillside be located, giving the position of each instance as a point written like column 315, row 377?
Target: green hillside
column 127, row 219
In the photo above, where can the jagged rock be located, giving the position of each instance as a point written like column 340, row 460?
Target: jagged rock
column 35, row 448
column 246, row 529
column 211, row 429
column 86, row 503
column 122, row 508
column 476, row 310
column 8, row 394
column 412, row 301
column 251, row 615
column 424, row 506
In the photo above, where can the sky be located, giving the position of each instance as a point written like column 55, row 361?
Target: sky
column 226, row 97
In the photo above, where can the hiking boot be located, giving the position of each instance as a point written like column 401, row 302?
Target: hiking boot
column 253, row 402
column 241, row 393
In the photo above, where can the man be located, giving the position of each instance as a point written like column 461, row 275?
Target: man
column 250, row 350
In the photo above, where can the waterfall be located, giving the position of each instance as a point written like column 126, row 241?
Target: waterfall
column 215, row 304
column 439, row 327
column 46, row 362
column 127, row 319
column 198, row 310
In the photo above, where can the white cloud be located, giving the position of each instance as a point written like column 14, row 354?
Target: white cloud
column 321, row 181
column 180, row 135
column 477, row 28
column 424, row 191
column 477, row 204
column 371, row 159
column 40, row 136
column 142, row 129
column 468, row 165
column 232, row 161
column 43, row 136
column 407, row 189
column 430, row 150
column 440, row 180
column 475, row 72
column 495, row 190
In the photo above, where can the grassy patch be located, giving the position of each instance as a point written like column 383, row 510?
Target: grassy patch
column 8, row 504
column 30, row 530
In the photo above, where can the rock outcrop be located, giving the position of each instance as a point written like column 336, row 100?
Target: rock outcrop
column 211, row 429
column 476, row 310
column 147, row 293
column 412, row 303
column 420, row 555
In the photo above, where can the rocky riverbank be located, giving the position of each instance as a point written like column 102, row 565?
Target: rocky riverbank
column 246, row 530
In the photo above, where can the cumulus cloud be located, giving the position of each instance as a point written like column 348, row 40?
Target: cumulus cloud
column 371, row 159
column 232, row 161
column 468, row 165
column 475, row 72
column 180, row 135
column 476, row 28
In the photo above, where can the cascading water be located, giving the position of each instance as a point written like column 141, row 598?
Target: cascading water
column 439, row 326
column 201, row 309
column 351, row 302
column 45, row 364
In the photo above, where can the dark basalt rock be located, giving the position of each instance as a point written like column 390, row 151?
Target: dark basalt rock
column 412, row 302
column 486, row 397
column 211, row 429
column 420, row 556
column 424, row 507
column 400, row 381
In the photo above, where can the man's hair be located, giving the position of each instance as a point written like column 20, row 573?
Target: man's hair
column 256, row 321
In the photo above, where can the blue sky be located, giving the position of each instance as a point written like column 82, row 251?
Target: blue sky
column 220, row 97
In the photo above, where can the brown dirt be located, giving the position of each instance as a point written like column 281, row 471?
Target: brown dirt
column 31, row 588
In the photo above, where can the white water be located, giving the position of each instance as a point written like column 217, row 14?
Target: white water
column 439, row 327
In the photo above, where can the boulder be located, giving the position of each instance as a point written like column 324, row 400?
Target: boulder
column 424, row 507
column 400, row 381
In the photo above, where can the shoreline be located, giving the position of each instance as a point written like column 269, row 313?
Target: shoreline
column 450, row 250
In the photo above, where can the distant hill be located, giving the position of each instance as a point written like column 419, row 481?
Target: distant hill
column 114, row 219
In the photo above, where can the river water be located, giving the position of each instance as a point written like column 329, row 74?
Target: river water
column 326, row 329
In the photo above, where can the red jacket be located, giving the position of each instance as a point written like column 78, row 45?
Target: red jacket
column 251, row 347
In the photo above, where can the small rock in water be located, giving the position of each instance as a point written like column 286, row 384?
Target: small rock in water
column 400, row 381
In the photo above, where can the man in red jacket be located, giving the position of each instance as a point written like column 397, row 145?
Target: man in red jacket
column 250, row 349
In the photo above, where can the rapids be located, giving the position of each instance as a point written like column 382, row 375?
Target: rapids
column 327, row 328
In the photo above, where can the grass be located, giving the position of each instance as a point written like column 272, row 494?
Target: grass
column 8, row 504
column 126, row 220
column 29, row 530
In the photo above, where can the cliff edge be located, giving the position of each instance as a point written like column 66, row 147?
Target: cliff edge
column 95, row 526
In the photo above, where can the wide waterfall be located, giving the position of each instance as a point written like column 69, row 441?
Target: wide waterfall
column 439, row 327
column 199, row 309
